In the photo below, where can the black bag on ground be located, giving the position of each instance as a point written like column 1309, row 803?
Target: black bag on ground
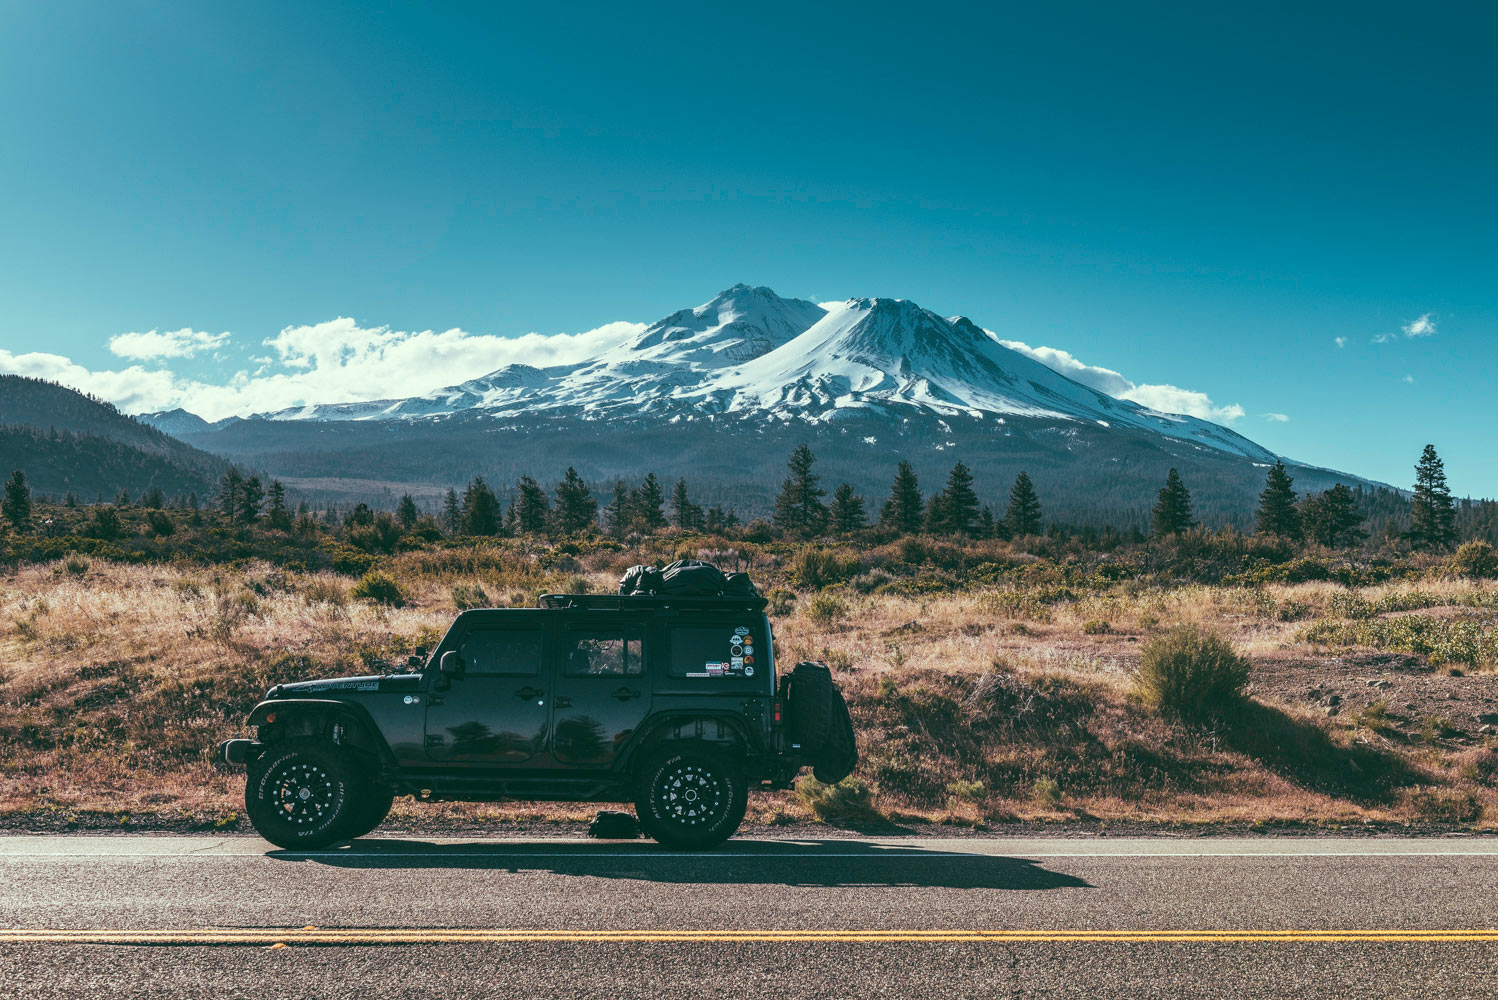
column 691, row 578
column 611, row 824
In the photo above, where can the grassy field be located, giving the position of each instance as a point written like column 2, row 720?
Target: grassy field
column 980, row 699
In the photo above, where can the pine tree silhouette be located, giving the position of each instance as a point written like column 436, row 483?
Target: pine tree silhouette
column 1432, row 515
column 17, row 503
column 847, row 510
column 1171, row 514
column 576, row 510
column 904, row 511
column 1023, row 515
column 1277, row 514
column 799, row 508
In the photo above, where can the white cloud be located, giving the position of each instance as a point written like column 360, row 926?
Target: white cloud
column 1277, row 418
column 1384, row 338
column 333, row 362
column 1341, row 342
column 1410, row 379
column 1165, row 398
column 182, row 343
column 1422, row 327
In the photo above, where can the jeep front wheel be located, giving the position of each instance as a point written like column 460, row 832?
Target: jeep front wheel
column 691, row 798
column 304, row 793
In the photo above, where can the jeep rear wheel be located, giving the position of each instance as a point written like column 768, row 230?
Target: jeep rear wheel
column 691, row 798
column 304, row 793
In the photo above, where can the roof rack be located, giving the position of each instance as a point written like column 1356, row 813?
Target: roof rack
column 622, row 602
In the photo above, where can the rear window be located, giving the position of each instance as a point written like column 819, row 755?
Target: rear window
column 604, row 652
column 732, row 649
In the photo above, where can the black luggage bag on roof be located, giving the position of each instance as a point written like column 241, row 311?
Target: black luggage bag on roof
column 685, row 578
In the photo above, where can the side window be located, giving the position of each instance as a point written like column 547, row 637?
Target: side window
column 502, row 652
column 731, row 649
column 604, row 652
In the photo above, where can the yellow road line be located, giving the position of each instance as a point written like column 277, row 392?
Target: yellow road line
column 417, row 936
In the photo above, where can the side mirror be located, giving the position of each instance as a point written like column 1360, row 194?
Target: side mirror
column 451, row 664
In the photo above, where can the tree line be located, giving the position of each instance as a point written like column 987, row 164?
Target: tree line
column 803, row 509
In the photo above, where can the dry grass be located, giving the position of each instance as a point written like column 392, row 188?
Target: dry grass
column 974, row 707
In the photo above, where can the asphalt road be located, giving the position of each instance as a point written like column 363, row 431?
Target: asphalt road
column 228, row 917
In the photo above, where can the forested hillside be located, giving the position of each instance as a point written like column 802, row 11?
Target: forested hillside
column 68, row 442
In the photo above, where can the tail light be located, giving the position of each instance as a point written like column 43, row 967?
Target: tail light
column 779, row 710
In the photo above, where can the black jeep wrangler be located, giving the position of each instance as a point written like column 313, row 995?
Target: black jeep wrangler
column 672, row 703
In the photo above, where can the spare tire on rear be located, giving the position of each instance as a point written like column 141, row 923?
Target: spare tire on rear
column 840, row 756
column 819, row 722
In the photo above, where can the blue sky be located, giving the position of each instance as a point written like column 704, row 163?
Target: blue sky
column 1205, row 196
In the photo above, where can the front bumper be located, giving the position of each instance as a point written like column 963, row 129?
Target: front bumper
column 239, row 751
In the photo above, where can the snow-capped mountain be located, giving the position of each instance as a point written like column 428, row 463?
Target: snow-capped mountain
column 750, row 354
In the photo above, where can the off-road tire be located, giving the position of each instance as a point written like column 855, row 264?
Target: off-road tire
column 371, row 810
column 840, row 754
column 691, row 797
column 305, row 794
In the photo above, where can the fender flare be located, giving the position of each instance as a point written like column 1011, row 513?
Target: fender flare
column 341, row 711
column 669, row 729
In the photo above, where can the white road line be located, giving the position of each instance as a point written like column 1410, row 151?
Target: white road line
column 272, row 854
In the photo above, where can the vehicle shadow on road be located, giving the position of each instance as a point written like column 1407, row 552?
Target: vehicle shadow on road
column 826, row 863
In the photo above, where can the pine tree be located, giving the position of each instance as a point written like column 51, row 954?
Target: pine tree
column 686, row 515
column 718, row 520
column 934, row 518
column 480, row 511
column 531, row 510
column 1172, row 511
column 1023, row 514
column 616, row 516
column 406, row 512
column 904, row 511
column 576, row 510
column 228, row 493
column 799, row 508
column 452, row 514
column 645, row 505
column 1332, row 518
column 1277, row 512
column 985, row 522
column 957, row 512
column 1432, row 514
column 276, row 512
column 251, row 496
column 846, row 511
column 17, row 503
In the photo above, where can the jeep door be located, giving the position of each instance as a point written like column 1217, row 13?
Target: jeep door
column 602, row 692
column 496, row 711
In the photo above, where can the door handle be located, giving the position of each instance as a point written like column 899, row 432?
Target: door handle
column 562, row 702
column 529, row 692
column 624, row 694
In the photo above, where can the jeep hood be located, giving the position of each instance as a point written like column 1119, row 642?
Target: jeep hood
column 333, row 685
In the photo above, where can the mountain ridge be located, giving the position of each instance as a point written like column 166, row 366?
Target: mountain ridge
column 749, row 352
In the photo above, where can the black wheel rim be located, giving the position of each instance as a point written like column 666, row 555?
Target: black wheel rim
column 691, row 796
column 304, row 793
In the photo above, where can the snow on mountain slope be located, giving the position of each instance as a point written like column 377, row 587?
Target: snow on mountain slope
column 881, row 354
column 748, row 352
